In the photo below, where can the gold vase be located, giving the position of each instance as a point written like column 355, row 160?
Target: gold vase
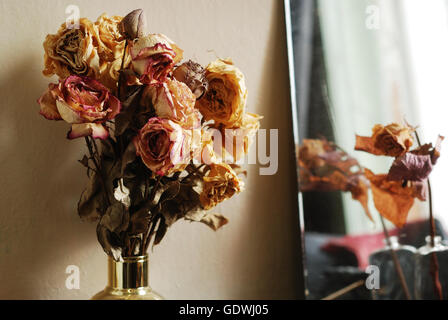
column 128, row 280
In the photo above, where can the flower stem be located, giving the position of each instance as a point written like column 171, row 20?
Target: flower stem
column 434, row 265
column 121, row 69
column 97, row 167
column 396, row 262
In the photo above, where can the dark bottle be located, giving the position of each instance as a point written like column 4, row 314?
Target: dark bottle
column 390, row 287
column 424, row 282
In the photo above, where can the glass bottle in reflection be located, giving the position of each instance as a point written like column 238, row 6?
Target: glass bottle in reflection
column 424, row 282
column 390, row 287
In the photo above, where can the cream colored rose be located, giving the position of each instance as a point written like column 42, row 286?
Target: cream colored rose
column 225, row 100
column 173, row 100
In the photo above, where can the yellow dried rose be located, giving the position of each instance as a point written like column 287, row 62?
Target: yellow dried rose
column 219, row 184
column 236, row 142
column 110, row 49
column 391, row 140
column 94, row 50
column 72, row 51
column 225, row 100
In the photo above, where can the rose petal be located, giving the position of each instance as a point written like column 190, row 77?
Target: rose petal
column 96, row 130
column 47, row 103
column 67, row 113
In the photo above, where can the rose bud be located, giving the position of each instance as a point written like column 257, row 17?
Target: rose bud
column 193, row 75
column 83, row 102
column 133, row 25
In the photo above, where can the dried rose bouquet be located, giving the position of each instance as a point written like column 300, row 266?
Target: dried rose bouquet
column 163, row 137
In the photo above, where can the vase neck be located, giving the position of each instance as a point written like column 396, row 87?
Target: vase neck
column 131, row 273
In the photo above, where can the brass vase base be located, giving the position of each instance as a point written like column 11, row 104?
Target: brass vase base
column 128, row 280
column 127, row 294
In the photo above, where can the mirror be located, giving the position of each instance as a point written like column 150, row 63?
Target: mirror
column 370, row 75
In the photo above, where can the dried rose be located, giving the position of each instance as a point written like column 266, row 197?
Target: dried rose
column 92, row 50
column 219, row 184
column 163, row 146
column 323, row 167
column 391, row 140
column 153, row 57
column 225, row 100
column 72, row 51
column 236, row 142
column 173, row 100
column 206, row 152
column 111, row 50
column 193, row 75
column 133, row 25
column 83, row 102
column 393, row 200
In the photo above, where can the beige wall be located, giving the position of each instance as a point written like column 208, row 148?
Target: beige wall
column 255, row 256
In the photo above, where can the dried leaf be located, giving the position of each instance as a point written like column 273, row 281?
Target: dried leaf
column 323, row 167
column 161, row 231
column 140, row 221
column 109, row 244
column 92, row 203
column 164, row 192
column 116, row 218
column 359, row 192
column 410, row 167
column 212, row 220
column 128, row 157
column 125, row 117
column 84, row 161
column 427, row 149
column 393, row 200
column 436, row 151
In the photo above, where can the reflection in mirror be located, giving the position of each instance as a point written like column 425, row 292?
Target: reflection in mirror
column 368, row 95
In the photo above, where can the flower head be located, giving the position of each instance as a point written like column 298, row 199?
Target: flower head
column 163, row 146
column 81, row 101
column 225, row 100
column 153, row 57
column 220, row 183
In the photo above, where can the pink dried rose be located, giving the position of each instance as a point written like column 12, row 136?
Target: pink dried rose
column 83, row 102
column 164, row 146
column 154, row 57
